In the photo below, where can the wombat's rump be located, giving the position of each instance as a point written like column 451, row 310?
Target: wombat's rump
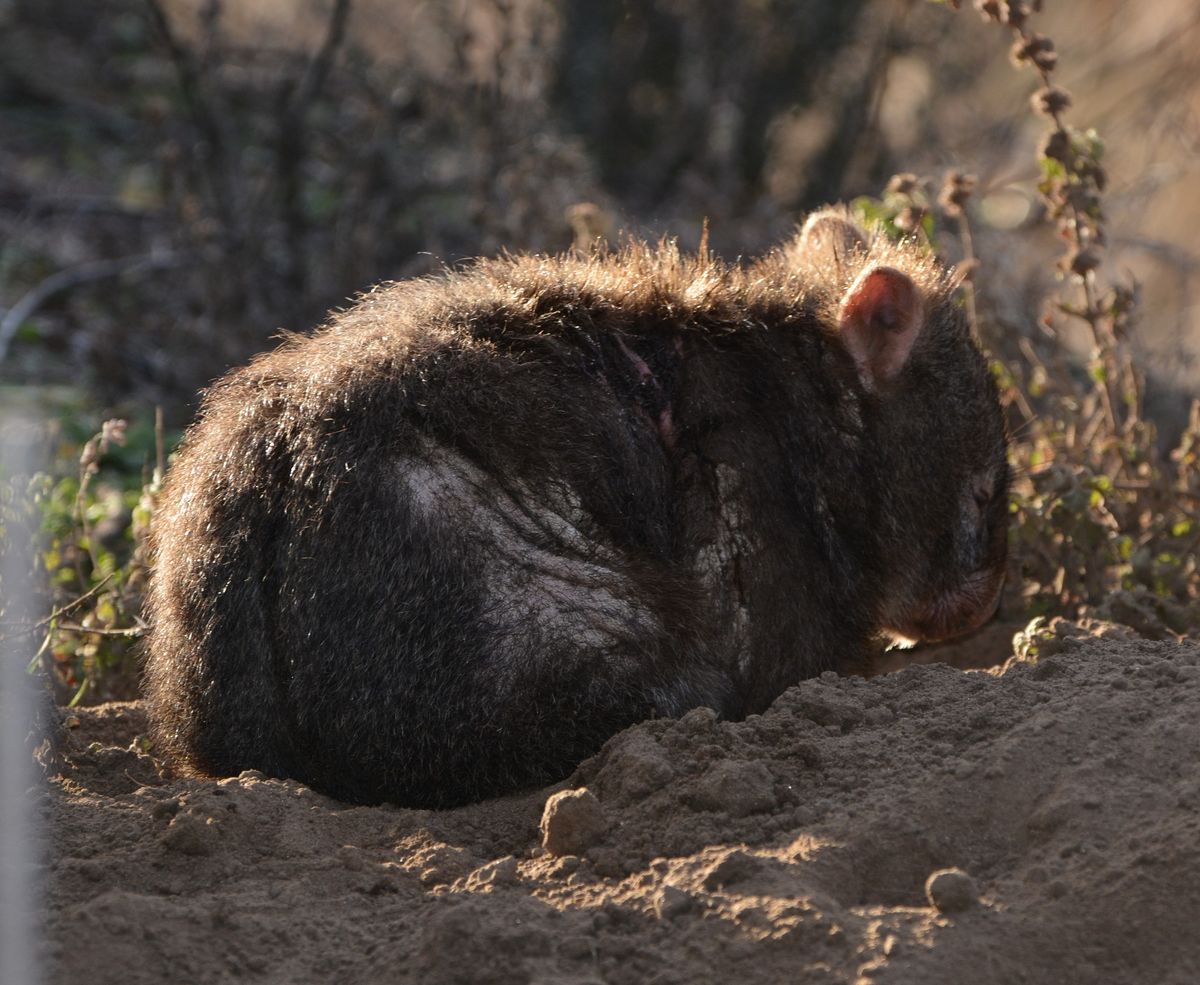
column 449, row 544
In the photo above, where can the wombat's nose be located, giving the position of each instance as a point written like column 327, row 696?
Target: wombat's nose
column 961, row 610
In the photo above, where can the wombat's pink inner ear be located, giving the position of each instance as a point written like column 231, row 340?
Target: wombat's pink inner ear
column 880, row 319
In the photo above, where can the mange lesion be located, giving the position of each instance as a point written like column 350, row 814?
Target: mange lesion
column 543, row 572
column 721, row 562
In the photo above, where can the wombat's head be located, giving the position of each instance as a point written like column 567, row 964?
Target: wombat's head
column 939, row 459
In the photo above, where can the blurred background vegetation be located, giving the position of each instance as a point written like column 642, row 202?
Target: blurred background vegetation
column 179, row 179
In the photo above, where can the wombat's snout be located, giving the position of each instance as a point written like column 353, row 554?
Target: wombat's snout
column 959, row 611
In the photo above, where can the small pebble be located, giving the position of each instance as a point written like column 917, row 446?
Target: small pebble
column 350, row 858
column 951, row 891
column 572, row 821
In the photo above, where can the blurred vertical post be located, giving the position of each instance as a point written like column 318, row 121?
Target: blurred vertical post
column 18, row 847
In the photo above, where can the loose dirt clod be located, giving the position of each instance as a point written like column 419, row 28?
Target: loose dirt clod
column 736, row 867
column 192, row 834
column 671, row 901
column 572, row 822
column 736, row 788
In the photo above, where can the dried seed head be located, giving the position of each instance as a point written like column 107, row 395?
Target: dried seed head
column 1083, row 261
column 590, row 224
column 1091, row 170
column 956, row 189
column 89, row 456
column 909, row 219
column 1036, row 48
column 989, row 10
column 903, row 184
column 112, row 432
column 1123, row 299
column 1056, row 145
column 1014, row 13
column 1046, row 60
column 1050, row 100
column 1082, row 198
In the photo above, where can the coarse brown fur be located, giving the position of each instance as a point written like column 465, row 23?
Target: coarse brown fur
column 446, row 546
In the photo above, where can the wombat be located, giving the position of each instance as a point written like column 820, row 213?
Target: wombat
column 448, row 545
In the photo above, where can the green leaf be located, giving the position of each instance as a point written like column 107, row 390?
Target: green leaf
column 869, row 210
column 1053, row 169
column 106, row 612
column 78, row 696
column 928, row 224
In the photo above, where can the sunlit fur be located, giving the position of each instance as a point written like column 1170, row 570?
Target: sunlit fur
column 447, row 545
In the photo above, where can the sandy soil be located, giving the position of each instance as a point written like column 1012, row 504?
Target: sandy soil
column 795, row 846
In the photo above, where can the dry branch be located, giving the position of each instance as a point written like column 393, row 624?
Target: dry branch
column 72, row 277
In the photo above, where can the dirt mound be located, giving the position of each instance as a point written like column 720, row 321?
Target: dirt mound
column 794, row 846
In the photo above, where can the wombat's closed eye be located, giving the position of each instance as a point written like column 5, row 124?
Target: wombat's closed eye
column 448, row 545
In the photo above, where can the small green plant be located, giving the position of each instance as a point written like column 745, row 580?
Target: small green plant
column 89, row 513
column 1103, row 521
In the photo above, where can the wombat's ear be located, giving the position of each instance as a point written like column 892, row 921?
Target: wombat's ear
column 880, row 319
column 830, row 237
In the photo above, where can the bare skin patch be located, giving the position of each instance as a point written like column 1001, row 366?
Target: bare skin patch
column 545, row 579
column 720, row 562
